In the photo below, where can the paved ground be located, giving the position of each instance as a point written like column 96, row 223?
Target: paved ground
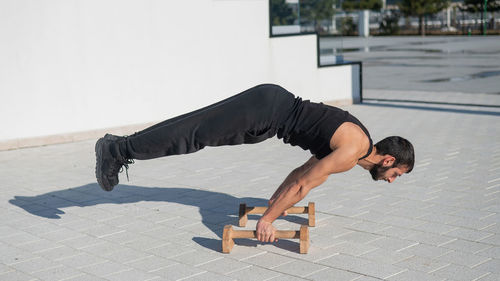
column 441, row 222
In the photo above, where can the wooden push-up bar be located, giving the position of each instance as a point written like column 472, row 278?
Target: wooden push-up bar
column 230, row 234
column 244, row 211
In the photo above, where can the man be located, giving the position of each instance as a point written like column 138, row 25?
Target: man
column 337, row 140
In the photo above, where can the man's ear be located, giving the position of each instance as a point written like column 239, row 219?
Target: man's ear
column 388, row 160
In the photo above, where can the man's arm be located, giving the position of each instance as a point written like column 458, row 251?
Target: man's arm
column 340, row 160
column 293, row 177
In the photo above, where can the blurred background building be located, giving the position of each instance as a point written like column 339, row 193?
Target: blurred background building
column 389, row 17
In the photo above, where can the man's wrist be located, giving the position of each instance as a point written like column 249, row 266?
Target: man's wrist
column 264, row 219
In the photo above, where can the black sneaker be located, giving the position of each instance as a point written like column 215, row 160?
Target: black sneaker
column 108, row 166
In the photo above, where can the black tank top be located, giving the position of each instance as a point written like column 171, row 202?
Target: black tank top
column 311, row 126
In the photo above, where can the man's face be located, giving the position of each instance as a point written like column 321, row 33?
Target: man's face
column 389, row 173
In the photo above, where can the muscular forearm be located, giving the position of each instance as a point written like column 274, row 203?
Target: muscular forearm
column 293, row 177
column 289, row 196
column 290, row 179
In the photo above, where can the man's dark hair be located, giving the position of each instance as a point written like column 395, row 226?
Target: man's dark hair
column 398, row 147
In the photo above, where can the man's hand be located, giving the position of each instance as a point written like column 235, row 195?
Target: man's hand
column 265, row 231
column 271, row 201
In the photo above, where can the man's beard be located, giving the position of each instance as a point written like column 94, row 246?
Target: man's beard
column 377, row 171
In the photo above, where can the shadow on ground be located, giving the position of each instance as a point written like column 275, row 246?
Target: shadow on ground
column 215, row 208
column 430, row 108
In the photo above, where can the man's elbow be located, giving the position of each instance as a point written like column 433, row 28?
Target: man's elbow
column 302, row 188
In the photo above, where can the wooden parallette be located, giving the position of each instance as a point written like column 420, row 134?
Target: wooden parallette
column 309, row 210
column 230, row 234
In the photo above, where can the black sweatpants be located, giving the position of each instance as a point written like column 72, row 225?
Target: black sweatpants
column 252, row 116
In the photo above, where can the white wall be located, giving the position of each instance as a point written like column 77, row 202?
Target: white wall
column 69, row 66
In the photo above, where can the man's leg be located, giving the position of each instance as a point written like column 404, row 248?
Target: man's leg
column 249, row 117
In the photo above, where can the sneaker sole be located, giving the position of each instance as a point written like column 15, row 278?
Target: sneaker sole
column 103, row 183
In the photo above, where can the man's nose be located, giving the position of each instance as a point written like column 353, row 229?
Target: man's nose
column 391, row 179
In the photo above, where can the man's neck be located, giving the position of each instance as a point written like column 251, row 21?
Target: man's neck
column 369, row 161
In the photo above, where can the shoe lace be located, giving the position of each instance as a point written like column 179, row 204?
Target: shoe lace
column 115, row 169
column 125, row 164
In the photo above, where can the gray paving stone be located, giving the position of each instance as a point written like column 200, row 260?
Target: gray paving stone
column 103, row 269
column 492, row 240
column 396, row 232
column 314, row 254
column 386, row 256
column 333, row 274
column 4, row 268
column 352, row 248
column 125, row 255
column 224, row 266
column 18, row 276
column 38, row 245
column 468, row 247
column 58, row 273
column 435, row 228
column 412, row 275
column 299, row 268
column 392, row 244
column 132, row 274
column 81, row 260
column 242, row 253
column 323, row 241
column 268, row 260
column 170, row 250
column 209, row 276
column 35, row 265
column 19, row 237
column 492, row 265
column 469, row 234
column 197, row 258
column 457, row 272
column 151, row 263
column 81, row 242
column 254, row 272
column 178, row 271
column 489, row 251
column 366, row 278
column 344, row 262
column 286, row 277
column 430, row 238
column 84, row 277
column 359, row 237
column 490, row 277
column 426, row 251
column 367, row 226
column 465, row 259
column 142, row 242
column 379, row 270
column 422, row 264
column 12, row 255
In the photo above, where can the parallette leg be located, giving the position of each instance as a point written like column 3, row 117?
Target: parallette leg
column 304, row 239
column 243, row 217
column 311, row 214
column 227, row 239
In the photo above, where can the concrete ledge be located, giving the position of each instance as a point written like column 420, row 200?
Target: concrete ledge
column 339, row 103
column 70, row 137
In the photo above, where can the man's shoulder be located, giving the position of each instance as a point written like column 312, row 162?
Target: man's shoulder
column 350, row 136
